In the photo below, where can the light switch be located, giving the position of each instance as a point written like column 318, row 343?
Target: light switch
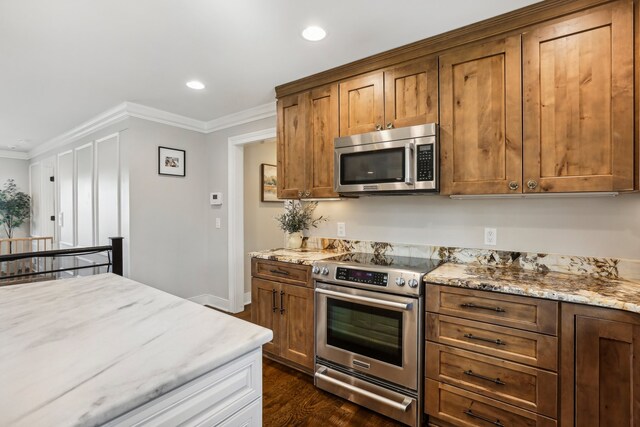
column 218, row 222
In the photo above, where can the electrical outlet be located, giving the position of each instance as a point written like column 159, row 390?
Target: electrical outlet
column 217, row 222
column 490, row 236
column 342, row 229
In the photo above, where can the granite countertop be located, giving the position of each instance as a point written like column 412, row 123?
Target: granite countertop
column 576, row 288
column 84, row 351
column 295, row 256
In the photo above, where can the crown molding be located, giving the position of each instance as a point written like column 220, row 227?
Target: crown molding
column 245, row 116
column 160, row 116
column 19, row 155
column 98, row 122
column 131, row 109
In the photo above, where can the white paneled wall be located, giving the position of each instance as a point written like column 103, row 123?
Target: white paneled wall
column 35, row 184
column 107, row 188
column 66, row 199
column 86, row 194
column 85, row 222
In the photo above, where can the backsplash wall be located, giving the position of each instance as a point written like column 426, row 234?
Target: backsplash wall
column 586, row 226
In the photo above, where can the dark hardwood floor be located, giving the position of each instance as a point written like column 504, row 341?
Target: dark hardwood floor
column 289, row 398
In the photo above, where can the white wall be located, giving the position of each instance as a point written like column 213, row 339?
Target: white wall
column 217, row 262
column 19, row 171
column 261, row 231
column 90, row 180
column 168, row 214
column 601, row 227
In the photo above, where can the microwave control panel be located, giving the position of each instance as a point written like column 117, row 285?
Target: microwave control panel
column 425, row 164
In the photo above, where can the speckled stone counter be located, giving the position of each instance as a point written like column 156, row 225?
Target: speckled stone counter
column 576, row 288
column 296, row 256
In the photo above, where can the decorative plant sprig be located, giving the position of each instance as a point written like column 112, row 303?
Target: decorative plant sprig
column 299, row 217
column 15, row 207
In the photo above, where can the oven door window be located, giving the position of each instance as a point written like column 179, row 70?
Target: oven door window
column 372, row 167
column 370, row 331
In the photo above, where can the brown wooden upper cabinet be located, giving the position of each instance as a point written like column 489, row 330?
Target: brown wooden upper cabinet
column 480, row 118
column 573, row 128
column 307, row 126
column 578, row 102
column 405, row 95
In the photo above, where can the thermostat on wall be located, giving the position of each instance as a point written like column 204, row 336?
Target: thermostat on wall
column 215, row 199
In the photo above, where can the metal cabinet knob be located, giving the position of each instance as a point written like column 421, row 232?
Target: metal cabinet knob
column 513, row 185
column 389, row 125
column 378, row 127
column 300, row 193
column 532, row 183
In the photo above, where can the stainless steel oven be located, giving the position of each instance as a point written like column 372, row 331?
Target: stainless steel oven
column 369, row 331
column 403, row 160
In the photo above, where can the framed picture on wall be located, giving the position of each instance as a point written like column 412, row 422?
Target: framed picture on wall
column 171, row 161
column 268, row 183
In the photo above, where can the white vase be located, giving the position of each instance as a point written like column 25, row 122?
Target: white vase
column 294, row 240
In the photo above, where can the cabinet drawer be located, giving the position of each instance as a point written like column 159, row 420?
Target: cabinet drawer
column 463, row 408
column 525, row 347
column 526, row 313
column 295, row 274
column 519, row 385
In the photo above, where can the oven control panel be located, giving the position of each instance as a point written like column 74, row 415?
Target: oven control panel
column 362, row 276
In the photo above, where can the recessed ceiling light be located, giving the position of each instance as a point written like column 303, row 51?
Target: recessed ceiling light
column 314, row 33
column 194, row 84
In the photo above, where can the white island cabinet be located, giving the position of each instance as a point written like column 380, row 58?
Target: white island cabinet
column 105, row 350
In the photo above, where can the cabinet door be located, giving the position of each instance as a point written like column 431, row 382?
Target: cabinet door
column 411, row 93
column 265, row 310
column 361, row 104
column 292, row 128
column 600, row 371
column 322, row 126
column 578, row 109
column 297, row 339
column 480, row 119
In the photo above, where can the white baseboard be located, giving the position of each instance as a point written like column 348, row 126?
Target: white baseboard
column 247, row 298
column 212, row 300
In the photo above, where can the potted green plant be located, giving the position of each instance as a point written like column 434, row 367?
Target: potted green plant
column 296, row 218
column 15, row 207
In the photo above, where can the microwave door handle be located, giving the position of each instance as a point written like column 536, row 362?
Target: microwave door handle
column 408, row 164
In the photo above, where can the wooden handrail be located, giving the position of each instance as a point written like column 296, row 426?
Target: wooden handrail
column 17, row 245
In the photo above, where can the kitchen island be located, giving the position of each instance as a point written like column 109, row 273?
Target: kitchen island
column 107, row 350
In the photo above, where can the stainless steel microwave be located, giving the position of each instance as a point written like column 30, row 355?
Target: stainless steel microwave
column 403, row 160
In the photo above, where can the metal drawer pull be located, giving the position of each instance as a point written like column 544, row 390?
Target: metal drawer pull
column 375, row 301
column 473, row 337
column 404, row 406
column 283, row 272
column 482, row 377
column 483, row 307
column 470, row 413
column 281, row 302
column 273, row 300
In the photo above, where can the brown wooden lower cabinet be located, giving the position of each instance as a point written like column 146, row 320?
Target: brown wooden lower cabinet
column 288, row 311
column 599, row 367
column 458, row 407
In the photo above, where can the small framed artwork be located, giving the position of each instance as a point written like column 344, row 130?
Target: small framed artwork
column 268, row 183
column 171, row 161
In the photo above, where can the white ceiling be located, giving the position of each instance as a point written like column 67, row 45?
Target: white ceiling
column 65, row 61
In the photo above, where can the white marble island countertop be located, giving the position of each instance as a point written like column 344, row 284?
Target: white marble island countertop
column 84, row 351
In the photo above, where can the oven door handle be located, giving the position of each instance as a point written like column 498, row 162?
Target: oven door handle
column 404, row 406
column 408, row 164
column 374, row 301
